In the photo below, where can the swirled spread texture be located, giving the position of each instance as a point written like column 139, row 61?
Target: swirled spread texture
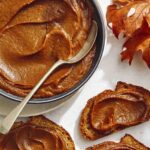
column 110, row 111
column 128, row 142
column 34, row 34
column 30, row 136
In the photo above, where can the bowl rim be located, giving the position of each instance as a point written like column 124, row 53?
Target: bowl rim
column 79, row 84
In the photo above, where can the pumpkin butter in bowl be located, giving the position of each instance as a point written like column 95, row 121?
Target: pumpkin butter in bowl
column 34, row 34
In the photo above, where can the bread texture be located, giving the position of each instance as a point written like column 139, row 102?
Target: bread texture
column 86, row 128
column 46, row 123
column 40, row 130
column 128, row 142
column 131, row 141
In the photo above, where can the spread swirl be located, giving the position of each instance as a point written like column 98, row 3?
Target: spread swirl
column 128, row 142
column 118, row 109
column 111, row 111
column 34, row 34
column 30, row 136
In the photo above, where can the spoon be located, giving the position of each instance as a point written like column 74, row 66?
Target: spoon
column 9, row 120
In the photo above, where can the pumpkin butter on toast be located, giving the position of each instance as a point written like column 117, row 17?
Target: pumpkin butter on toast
column 128, row 142
column 38, row 133
column 111, row 111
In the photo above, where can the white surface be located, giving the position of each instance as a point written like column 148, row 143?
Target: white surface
column 108, row 73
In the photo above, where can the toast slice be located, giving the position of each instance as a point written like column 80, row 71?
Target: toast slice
column 85, row 127
column 44, row 122
column 128, row 142
column 37, row 133
column 132, row 142
column 126, row 92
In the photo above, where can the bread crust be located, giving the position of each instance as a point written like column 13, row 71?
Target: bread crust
column 43, row 122
column 86, row 129
column 131, row 141
column 127, row 141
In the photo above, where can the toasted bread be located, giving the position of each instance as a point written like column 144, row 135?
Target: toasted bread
column 131, row 141
column 86, row 128
column 37, row 133
column 44, row 122
column 128, row 142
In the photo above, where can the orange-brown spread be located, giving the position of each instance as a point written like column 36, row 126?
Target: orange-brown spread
column 34, row 34
column 118, row 109
column 111, row 111
column 29, row 137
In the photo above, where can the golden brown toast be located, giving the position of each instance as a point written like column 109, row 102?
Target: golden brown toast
column 128, row 142
column 44, row 122
column 37, row 133
column 131, row 141
column 134, row 97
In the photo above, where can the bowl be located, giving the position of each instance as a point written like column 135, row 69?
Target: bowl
column 100, row 43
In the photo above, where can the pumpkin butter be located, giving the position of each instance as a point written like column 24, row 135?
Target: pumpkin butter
column 114, row 110
column 38, row 133
column 34, row 34
column 118, row 109
column 32, row 137
column 128, row 142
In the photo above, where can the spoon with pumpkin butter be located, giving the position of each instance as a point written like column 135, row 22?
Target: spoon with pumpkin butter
column 9, row 120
